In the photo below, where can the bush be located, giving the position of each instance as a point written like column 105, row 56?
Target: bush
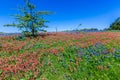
column 115, row 25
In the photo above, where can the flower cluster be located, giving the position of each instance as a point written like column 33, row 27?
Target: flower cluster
column 18, row 64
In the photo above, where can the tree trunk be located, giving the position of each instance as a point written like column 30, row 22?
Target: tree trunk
column 33, row 32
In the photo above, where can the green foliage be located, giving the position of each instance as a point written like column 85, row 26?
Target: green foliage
column 27, row 33
column 21, row 38
column 115, row 25
column 1, row 71
column 29, row 20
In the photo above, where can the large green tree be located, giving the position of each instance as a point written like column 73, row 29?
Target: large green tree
column 115, row 25
column 29, row 20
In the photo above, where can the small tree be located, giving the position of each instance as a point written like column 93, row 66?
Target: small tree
column 115, row 25
column 29, row 20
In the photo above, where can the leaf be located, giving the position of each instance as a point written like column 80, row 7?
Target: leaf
column 1, row 71
column 23, row 79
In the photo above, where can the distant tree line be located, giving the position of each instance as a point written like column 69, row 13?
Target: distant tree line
column 91, row 29
column 114, row 26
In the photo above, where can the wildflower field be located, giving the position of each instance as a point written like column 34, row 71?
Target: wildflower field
column 61, row 56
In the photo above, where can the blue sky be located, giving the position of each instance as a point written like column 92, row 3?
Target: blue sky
column 69, row 13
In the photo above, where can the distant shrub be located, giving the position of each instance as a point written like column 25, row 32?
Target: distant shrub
column 21, row 38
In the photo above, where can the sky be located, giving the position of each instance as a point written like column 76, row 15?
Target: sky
column 68, row 13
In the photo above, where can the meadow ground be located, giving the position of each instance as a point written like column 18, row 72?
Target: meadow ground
column 61, row 56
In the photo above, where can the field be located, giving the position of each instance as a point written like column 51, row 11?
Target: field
column 61, row 56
